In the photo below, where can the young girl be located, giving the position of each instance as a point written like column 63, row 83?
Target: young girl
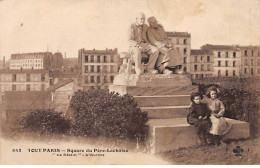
column 219, row 125
column 198, row 116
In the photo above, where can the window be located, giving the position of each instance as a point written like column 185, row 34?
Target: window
column 111, row 68
column 104, row 68
column 245, row 52
column 226, row 72
column 28, row 77
column 219, row 63
column 185, row 41
column 202, row 67
column 111, row 79
column 184, row 69
column 208, row 58
column 86, row 58
column 105, row 79
column 201, row 58
column 92, row 68
column 258, row 62
column 42, row 87
column 208, row 67
column 105, row 58
column 14, row 77
column 42, row 77
column 226, row 63
column 245, row 71
column 86, row 79
column 234, row 73
column 219, row 72
column 177, row 41
column 226, row 54
column 252, row 71
column 234, row 63
column 197, row 76
column 184, row 60
column 92, row 58
column 28, row 88
column 219, row 54
column 252, row 62
column 195, row 67
column 246, row 62
column 92, row 80
column 252, row 53
column 13, row 87
column 234, row 55
column 112, row 58
column 258, row 70
column 185, row 51
column 86, row 68
column 98, row 69
column 195, row 58
column 98, row 79
column 98, row 58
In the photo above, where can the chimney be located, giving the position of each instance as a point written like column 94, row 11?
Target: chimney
column 4, row 62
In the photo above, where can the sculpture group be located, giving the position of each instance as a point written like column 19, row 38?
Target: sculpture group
column 150, row 45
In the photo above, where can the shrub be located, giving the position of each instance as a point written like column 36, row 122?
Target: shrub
column 45, row 121
column 101, row 113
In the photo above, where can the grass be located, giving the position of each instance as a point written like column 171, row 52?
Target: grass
column 220, row 155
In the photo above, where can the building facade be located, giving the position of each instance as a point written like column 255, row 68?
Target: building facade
column 40, row 60
column 97, row 68
column 182, row 43
column 201, row 64
column 227, row 59
column 250, row 61
column 23, row 80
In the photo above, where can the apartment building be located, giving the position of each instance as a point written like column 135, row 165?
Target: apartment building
column 97, row 68
column 23, row 80
column 227, row 59
column 182, row 43
column 201, row 64
column 39, row 60
column 250, row 61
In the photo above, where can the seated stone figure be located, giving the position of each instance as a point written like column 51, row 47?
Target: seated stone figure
column 139, row 44
column 171, row 58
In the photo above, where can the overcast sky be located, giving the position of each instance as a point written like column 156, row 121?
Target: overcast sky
column 68, row 25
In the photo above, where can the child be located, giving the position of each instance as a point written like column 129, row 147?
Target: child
column 198, row 116
column 219, row 125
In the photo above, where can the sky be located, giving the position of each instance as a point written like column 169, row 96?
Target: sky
column 69, row 25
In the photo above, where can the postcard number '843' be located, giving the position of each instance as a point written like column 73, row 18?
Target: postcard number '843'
column 16, row 150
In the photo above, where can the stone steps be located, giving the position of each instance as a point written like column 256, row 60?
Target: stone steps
column 163, row 100
column 161, row 112
column 171, row 134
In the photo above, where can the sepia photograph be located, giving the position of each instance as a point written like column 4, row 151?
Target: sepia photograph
column 129, row 82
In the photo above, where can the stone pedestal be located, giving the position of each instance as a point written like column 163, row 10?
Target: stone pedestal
column 152, row 84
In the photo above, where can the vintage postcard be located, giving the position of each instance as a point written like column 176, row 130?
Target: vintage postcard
column 129, row 82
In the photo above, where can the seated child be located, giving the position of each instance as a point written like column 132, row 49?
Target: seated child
column 219, row 125
column 198, row 116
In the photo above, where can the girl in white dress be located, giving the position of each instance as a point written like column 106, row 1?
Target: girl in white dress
column 219, row 125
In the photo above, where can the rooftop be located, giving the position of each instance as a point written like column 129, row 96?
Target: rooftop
column 27, row 71
column 94, row 51
column 220, row 47
column 200, row 52
column 59, row 84
column 178, row 34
